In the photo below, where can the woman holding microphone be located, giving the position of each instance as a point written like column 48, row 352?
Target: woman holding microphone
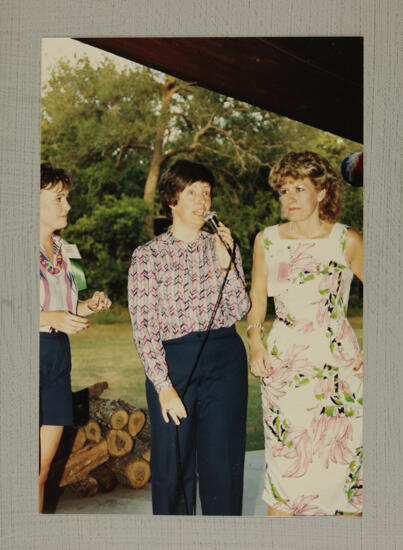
column 173, row 290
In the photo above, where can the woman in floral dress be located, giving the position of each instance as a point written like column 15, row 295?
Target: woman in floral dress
column 311, row 370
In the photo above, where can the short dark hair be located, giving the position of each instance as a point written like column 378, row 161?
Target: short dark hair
column 52, row 176
column 307, row 164
column 181, row 174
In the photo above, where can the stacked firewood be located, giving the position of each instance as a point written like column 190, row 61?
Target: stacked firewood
column 112, row 447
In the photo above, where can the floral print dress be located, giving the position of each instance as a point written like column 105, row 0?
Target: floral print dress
column 312, row 402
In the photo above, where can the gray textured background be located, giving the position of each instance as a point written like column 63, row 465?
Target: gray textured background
column 22, row 25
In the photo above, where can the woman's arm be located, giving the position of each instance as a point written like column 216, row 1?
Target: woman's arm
column 355, row 256
column 235, row 295
column 355, row 253
column 143, row 308
column 63, row 321
column 258, row 358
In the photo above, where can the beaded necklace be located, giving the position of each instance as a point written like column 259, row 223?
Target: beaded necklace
column 53, row 270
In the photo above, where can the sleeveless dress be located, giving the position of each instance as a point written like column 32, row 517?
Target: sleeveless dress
column 312, row 403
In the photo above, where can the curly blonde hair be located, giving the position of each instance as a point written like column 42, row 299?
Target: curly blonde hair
column 307, row 164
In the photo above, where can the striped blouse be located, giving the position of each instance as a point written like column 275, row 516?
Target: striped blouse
column 57, row 291
column 172, row 290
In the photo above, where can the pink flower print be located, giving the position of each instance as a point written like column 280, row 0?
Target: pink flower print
column 304, row 326
column 283, row 272
column 332, row 434
column 298, row 364
column 300, row 450
column 329, row 282
column 300, row 260
column 357, row 499
column 276, row 386
column 345, row 348
column 284, row 369
column 327, row 387
column 322, row 314
column 301, row 506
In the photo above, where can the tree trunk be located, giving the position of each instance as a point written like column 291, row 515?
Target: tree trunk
column 79, row 440
column 132, row 470
column 93, row 431
column 80, row 463
column 110, row 413
column 114, row 445
column 136, row 423
column 87, row 487
column 168, row 89
column 119, row 442
column 147, row 455
column 145, row 433
column 105, row 477
column 96, row 389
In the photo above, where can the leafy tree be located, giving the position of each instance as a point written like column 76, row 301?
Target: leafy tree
column 114, row 131
column 106, row 237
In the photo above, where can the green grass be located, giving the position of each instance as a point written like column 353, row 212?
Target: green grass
column 106, row 352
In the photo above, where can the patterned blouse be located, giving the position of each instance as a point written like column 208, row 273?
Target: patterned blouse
column 172, row 290
column 58, row 289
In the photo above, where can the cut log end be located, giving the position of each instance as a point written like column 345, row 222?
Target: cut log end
column 93, row 431
column 119, row 419
column 119, row 442
column 137, row 419
column 138, row 473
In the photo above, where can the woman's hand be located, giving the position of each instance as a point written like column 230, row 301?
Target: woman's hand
column 98, row 302
column 220, row 250
column 358, row 364
column 63, row 321
column 171, row 404
column 259, row 361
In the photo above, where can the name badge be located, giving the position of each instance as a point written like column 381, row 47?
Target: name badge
column 71, row 251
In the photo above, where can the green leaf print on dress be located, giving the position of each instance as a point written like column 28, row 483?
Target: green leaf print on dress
column 312, row 401
column 336, row 398
column 353, row 485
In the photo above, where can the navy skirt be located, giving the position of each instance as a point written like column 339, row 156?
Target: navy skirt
column 56, row 408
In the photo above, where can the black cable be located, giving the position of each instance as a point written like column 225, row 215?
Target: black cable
column 217, row 304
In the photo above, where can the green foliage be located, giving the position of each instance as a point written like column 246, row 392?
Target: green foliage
column 100, row 124
column 106, row 238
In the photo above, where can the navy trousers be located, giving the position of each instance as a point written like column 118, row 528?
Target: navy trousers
column 212, row 437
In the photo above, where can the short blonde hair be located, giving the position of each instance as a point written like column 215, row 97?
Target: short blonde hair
column 307, row 164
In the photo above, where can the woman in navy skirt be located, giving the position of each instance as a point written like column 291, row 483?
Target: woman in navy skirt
column 174, row 284
column 60, row 314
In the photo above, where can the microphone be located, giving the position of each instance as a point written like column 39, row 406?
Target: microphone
column 352, row 169
column 210, row 217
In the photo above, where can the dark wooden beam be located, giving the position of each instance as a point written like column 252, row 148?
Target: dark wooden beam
column 317, row 81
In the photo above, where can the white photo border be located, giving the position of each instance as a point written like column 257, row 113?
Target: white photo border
column 22, row 25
